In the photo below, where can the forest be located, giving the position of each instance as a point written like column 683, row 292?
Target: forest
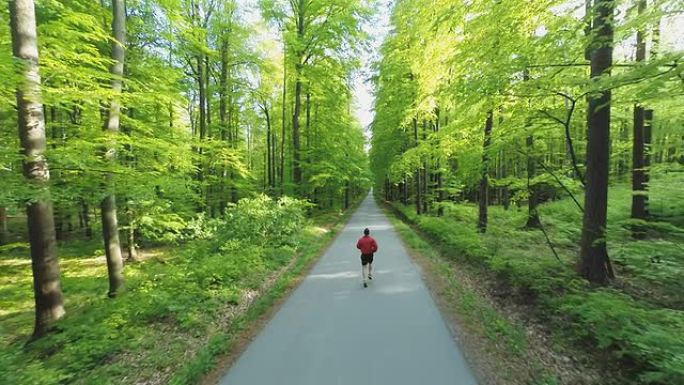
column 169, row 168
column 542, row 143
column 222, row 141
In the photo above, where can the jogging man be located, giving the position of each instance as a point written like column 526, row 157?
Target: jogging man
column 368, row 246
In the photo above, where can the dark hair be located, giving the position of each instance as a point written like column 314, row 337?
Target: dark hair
column 366, row 231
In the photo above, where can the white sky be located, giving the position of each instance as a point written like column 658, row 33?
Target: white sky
column 377, row 29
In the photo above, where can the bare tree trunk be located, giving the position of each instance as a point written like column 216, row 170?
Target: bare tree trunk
column 648, row 131
column 299, row 67
column 4, row 235
column 132, row 249
column 284, row 123
column 594, row 263
column 425, row 183
column 110, row 226
column 417, row 177
column 438, row 176
column 484, row 180
column 207, row 95
column 269, row 165
column 638, row 168
column 533, row 221
column 86, row 219
column 49, row 302
column 296, row 165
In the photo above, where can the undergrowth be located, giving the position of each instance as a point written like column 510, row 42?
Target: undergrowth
column 638, row 320
column 178, row 310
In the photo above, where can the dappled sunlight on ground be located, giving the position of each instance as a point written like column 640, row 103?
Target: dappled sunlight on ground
column 316, row 230
column 371, row 228
column 342, row 274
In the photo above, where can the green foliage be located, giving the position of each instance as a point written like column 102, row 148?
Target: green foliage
column 173, row 304
column 638, row 322
column 650, row 337
column 264, row 222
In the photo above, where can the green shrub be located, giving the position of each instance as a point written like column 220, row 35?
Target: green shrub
column 263, row 221
column 650, row 338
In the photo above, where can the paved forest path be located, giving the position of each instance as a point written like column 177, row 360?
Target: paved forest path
column 332, row 331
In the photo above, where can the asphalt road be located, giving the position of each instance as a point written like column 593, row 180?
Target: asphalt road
column 332, row 331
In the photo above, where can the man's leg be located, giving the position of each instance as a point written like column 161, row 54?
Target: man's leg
column 370, row 270
column 363, row 274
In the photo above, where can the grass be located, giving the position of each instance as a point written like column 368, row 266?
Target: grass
column 180, row 310
column 636, row 322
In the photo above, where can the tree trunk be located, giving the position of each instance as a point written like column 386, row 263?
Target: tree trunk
column 296, row 166
column 132, row 250
column 419, row 205
column 648, row 131
column 594, row 263
column 49, row 302
column 299, row 67
column 438, row 166
column 638, row 182
column 207, row 95
column 269, row 165
column 638, row 171
column 284, row 123
column 86, row 219
column 223, row 89
column 484, row 180
column 4, row 235
column 110, row 227
column 425, row 183
column 533, row 221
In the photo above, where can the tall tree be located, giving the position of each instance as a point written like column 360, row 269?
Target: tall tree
column 31, row 126
column 110, row 226
column 638, row 156
column 4, row 234
column 594, row 263
column 484, row 177
column 314, row 31
column 532, row 189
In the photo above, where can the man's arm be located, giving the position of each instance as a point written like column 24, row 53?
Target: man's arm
column 374, row 246
column 358, row 244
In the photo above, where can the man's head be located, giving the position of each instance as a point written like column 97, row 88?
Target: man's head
column 366, row 231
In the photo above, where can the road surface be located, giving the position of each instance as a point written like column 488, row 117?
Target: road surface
column 332, row 331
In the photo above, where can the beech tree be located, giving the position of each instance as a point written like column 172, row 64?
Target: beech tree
column 31, row 126
column 110, row 227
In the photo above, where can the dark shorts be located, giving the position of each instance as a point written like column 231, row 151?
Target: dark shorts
column 366, row 259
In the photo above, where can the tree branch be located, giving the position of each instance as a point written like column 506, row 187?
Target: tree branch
column 561, row 184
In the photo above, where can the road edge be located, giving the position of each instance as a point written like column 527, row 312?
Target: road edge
column 490, row 360
column 269, row 303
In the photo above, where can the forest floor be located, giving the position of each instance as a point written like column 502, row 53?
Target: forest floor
column 183, row 307
column 529, row 312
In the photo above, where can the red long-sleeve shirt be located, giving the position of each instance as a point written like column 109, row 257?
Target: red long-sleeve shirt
column 367, row 245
